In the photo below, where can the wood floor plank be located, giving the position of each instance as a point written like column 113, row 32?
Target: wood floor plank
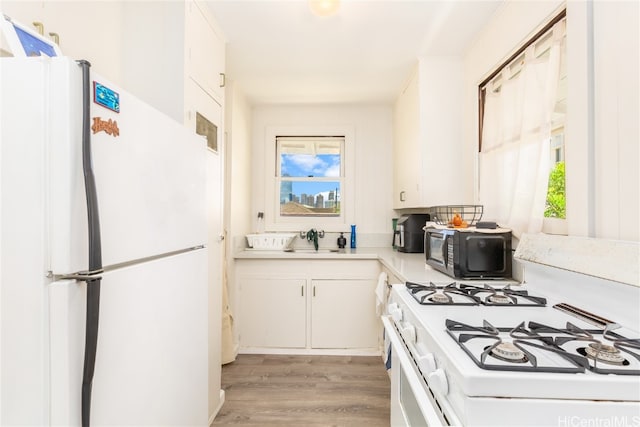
column 313, row 391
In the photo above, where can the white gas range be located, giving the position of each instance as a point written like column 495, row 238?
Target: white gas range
column 484, row 353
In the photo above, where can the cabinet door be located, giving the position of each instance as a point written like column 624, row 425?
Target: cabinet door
column 407, row 150
column 343, row 314
column 272, row 313
column 206, row 51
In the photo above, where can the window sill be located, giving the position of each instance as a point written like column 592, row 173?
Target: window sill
column 555, row 226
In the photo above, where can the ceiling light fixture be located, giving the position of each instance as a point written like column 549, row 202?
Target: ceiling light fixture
column 324, row 7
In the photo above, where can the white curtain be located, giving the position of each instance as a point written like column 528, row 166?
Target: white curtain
column 516, row 132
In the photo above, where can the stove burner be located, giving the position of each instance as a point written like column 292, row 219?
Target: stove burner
column 522, row 349
column 500, row 299
column 440, row 298
column 508, row 352
column 490, row 295
column 603, row 353
column 433, row 294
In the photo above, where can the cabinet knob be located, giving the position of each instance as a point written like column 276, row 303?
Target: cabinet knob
column 402, row 196
column 39, row 27
column 223, row 79
column 55, row 37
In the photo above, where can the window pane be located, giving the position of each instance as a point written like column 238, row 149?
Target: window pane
column 309, row 198
column 207, row 129
column 310, row 157
column 305, row 165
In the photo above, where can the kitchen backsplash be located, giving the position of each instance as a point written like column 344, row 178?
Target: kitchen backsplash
column 615, row 260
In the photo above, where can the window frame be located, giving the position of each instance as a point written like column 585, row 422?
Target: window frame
column 306, row 139
column 273, row 220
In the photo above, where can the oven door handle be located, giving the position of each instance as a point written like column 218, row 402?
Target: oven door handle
column 415, row 380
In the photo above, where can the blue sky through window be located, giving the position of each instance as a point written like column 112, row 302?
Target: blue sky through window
column 307, row 165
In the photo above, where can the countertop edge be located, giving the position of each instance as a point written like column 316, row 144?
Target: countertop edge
column 405, row 266
column 368, row 253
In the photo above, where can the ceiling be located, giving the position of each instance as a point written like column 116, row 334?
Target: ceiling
column 278, row 52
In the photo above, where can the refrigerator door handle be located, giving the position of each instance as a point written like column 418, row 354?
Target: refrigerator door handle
column 80, row 277
column 95, row 249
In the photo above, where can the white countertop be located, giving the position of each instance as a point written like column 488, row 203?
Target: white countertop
column 365, row 253
column 405, row 266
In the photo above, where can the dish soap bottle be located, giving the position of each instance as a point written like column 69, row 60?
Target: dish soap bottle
column 342, row 241
column 353, row 237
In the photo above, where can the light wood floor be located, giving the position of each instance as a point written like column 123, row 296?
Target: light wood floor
column 282, row 390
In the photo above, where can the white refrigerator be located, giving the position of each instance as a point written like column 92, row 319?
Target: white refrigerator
column 103, row 264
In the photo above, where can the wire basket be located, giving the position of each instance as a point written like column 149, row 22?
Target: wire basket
column 270, row 241
column 444, row 215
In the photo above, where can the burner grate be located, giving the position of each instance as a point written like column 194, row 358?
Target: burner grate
column 433, row 294
column 513, row 349
column 464, row 294
column 606, row 351
column 542, row 348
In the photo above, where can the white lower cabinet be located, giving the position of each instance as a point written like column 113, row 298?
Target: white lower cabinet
column 273, row 313
column 324, row 305
column 343, row 314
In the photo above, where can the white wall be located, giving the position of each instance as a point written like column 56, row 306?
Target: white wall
column 373, row 155
column 238, row 170
column 603, row 185
column 616, row 130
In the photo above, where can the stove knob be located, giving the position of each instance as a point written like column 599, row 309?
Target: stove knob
column 427, row 363
column 395, row 311
column 409, row 332
column 438, row 382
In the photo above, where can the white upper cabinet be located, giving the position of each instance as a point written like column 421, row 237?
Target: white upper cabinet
column 407, row 162
column 178, row 43
column 428, row 143
column 205, row 56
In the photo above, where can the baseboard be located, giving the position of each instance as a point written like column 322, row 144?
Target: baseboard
column 215, row 413
column 312, row 351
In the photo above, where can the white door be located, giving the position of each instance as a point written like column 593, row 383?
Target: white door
column 150, row 180
column 151, row 359
column 147, row 167
column 205, row 116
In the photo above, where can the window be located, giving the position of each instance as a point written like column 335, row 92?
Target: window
column 310, row 175
column 522, row 108
column 556, row 192
column 308, row 178
column 207, row 129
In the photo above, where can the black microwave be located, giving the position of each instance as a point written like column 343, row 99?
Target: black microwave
column 469, row 253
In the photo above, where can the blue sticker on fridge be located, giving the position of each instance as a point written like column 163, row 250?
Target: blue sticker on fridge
column 106, row 97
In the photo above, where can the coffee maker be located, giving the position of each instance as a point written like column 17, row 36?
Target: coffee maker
column 409, row 234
